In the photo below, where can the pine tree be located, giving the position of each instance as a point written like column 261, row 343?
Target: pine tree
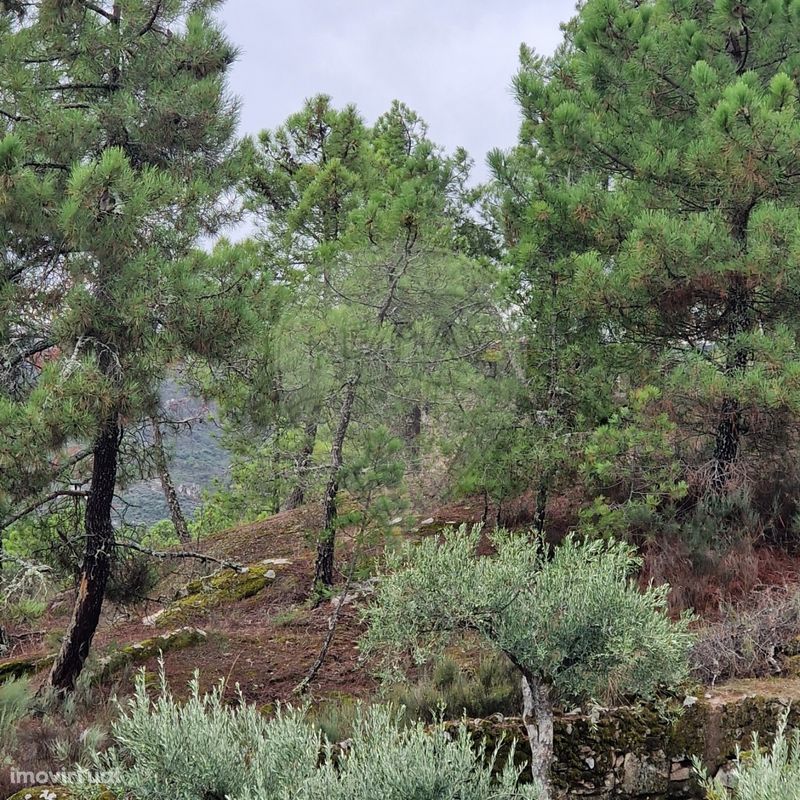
column 368, row 230
column 563, row 372
column 121, row 124
column 679, row 120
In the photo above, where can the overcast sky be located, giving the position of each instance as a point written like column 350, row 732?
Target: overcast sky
column 450, row 60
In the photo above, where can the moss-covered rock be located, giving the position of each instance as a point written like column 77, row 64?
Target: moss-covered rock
column 25, row 665
column 226, row 586
column 139, row 652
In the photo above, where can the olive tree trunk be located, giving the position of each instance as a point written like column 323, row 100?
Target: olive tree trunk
column 96, row 563
column 537, row 717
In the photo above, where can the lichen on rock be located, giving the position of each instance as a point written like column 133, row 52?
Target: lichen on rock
column 139, row 652
column 24, row 665
column 211, row 591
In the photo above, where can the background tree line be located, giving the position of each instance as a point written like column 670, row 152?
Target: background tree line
column 610, row 319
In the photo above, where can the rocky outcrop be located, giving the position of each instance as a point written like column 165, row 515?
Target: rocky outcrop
column 139, row 652
column 646, row 751
column 126, row 656
column 211, row 591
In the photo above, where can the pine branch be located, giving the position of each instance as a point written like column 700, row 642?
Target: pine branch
column 302, row 687
column 39, row 503
column 153, row 17
column 97, row 10
column 167, row 554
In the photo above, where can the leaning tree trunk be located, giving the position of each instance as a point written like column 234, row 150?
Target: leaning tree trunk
column 323, row 569
column 96, row 561
column 167, row 486
column 729, row 431
column 537, row 717
column 297, row 496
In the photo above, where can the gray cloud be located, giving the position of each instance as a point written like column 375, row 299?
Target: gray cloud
column 450, row 60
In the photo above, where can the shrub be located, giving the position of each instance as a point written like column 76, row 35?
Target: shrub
column 772, row 774
column 493, row 687
column 384, row 761
column 205, row 749
column 571, row 619
column 748, row 640
column 133, row 576
column 14, row 700
column 25, row 610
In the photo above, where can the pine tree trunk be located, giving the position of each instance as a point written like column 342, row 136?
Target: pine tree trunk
column 537, row 716
column 729, row 425
column 412, row 428
column 541, row 506
column 323, row 569
column 297, row 496
column 167, row 486
column 96, row 562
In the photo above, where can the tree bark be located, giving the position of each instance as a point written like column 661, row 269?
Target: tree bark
column 96, row 561
column 297, row 496
column 167, row 486
column 412, row 428
column 729, row 431
column 537, row 717
column 541, row 506
column 323, row 569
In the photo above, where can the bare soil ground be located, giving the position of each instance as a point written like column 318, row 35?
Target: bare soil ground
column 268, row 642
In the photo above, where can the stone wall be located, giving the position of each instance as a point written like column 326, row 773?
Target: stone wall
column 641, row 752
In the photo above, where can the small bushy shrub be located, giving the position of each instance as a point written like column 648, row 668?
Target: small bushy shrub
column 748, row 639
column 771, row 774
column 384, row 761
column 205, row 749
column 493, row 687
column 14, row 700
column 133, row 576
column 25, row 610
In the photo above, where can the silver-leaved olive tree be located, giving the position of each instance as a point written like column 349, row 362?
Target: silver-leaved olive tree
column 572, row 620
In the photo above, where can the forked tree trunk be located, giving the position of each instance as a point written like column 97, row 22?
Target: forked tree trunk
column 297, row 496
column 96, row 561
column 537, row 717
column 323, row 569
column 167, row 486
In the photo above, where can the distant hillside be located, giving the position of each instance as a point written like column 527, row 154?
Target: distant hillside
column 196, row 459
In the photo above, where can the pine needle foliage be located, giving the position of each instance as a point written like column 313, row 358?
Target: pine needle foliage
column 655, row 182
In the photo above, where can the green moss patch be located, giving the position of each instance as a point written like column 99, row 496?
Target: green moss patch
column 25, row 665
column 139, row 652
column 203, row 594
column 43, row 793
